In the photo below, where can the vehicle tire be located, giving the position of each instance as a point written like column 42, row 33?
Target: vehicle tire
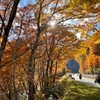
column 95, row 81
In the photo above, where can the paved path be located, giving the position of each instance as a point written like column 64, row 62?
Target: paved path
column 86, row 80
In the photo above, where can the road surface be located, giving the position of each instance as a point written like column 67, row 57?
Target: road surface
column 86, row 80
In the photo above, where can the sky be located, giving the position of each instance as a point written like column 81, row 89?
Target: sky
column 97, row 25
column 25, row 2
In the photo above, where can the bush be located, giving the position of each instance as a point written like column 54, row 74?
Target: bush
column 59, row 89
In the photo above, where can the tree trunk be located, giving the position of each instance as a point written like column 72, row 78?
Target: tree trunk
column 31, row 90
column 31, row 85
column 8, row 27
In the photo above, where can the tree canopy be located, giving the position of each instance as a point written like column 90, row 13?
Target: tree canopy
column 38, row 38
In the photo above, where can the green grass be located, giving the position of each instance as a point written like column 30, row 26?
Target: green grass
column 81, row 91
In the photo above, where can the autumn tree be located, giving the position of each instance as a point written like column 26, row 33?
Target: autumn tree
column 91, row 53
column 38, row 42
column 7, row 16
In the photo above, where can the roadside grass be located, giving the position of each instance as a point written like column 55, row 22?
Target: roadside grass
column 81, row 91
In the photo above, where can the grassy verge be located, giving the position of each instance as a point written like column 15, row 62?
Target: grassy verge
column 80, row 91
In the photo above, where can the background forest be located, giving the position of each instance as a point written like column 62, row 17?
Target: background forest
column 37, row 39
